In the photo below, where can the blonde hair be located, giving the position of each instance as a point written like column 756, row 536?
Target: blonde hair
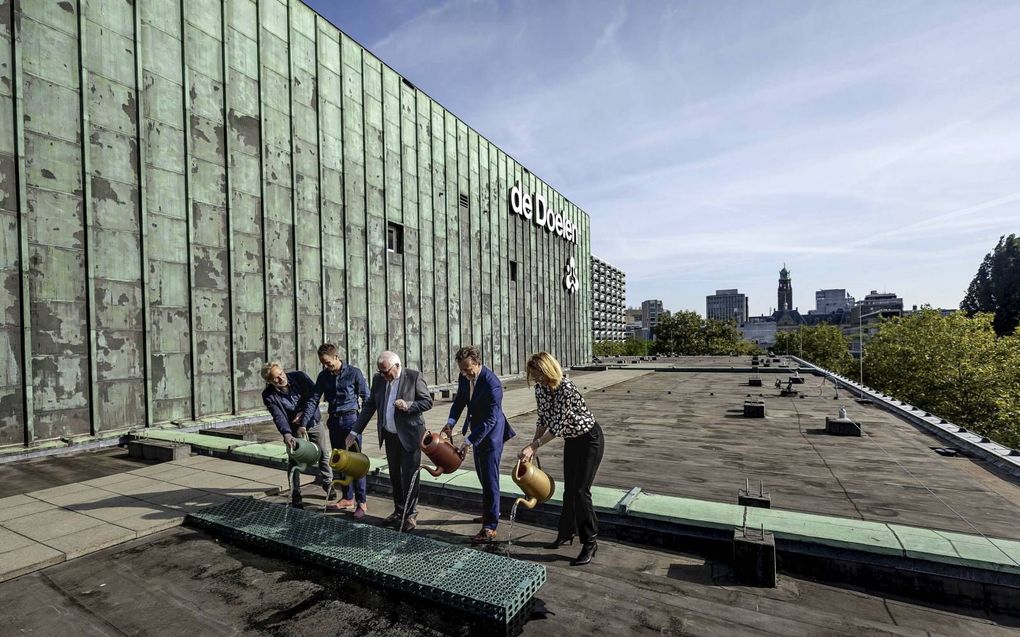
column 543, row 366
column 268, row 368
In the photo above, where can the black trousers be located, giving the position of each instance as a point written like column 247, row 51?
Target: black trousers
column 403, row 466
column 581, row 458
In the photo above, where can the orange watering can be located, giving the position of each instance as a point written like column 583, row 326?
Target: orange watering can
column 441, row 452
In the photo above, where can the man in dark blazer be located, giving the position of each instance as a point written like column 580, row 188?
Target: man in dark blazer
column 285, row 396
column 398, row 399
column 480, row 391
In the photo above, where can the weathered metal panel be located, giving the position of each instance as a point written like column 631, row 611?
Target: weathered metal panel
column 392, row 195
column 375, row 206
column 465, row 257
column 426, row 234
column 454, row 236
column 354, row 203
column 412, row 229
column 443, row 283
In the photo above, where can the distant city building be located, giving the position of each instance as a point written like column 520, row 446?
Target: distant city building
column 651, row 312
column 632, row 323
column 866, row 316
column 760, row 330
column 832, row 301
column 785, row 296
column 726, row 305
column 609, row 292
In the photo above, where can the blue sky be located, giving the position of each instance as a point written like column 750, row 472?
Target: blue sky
column 866, row 145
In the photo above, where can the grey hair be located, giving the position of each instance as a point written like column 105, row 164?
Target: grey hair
column 388, row 358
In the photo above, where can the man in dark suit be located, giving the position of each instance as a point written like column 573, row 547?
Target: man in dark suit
column 285, row 396
column 480, row 391
column 398, row 399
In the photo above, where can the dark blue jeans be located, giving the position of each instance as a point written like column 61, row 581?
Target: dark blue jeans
column 339, row 426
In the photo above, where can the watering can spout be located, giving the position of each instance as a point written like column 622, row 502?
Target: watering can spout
column 435, row 471
column 528, row 502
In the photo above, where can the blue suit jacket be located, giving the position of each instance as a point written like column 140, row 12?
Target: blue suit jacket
column 485, row 419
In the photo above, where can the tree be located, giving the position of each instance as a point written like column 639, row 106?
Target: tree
column 824, row 345
column 687, row 334
column 629, row 347
column 996, row 286
column 953, row 366
column 679, row 333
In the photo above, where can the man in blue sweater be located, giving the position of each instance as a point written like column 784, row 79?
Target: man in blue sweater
column 285, row 396
column 480, row 391
column 342, row 384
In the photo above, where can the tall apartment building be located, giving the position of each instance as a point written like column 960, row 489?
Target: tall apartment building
column 609, row 293
column 651, row 312
column 726, row 305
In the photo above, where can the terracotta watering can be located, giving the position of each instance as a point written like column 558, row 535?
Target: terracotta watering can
column 353, row 464
column 535, row 483
column 304, row 453
column 441, row 452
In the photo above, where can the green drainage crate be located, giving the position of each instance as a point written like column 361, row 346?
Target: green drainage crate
column 490, row 587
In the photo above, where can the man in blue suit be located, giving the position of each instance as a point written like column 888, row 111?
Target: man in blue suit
column 480, row 391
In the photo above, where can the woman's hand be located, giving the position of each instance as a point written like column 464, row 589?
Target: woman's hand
column 527, row 453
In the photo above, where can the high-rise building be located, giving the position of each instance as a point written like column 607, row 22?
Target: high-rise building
column 867, row 315
column 832, row 301
column 785, row 300
column 651, row 312
column 609, row 291
column 726, row 305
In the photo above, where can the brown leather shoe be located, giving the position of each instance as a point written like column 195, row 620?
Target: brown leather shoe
column 485, row 536
column 410, row 524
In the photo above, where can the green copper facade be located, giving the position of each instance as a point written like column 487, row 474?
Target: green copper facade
column 191, row 187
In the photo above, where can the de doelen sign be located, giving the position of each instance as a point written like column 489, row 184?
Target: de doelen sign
column 535, row 209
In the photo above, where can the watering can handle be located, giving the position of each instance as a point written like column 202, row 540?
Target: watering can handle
column 356, row 446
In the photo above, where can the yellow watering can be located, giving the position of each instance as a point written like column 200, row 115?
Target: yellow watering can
column 535, row 483
column 353, row 464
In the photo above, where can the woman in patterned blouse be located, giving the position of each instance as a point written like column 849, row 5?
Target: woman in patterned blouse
column 562, row 412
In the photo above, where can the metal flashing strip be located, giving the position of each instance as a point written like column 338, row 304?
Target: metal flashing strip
column 488, row 586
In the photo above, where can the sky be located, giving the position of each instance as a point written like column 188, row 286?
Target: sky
column 865, row 145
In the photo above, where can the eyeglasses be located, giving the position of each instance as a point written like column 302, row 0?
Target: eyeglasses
column 388, row 369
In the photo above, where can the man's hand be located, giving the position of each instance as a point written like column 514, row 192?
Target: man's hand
column 289, row 441
column 447, row 432
column 296, row 419
column 400, row 404
column 350, row 441
column 302, row 432
column 464, row 446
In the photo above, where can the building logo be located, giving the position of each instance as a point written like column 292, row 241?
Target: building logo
column 535, row 209
column 570, row 280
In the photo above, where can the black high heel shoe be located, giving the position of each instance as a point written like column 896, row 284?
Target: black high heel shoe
column 560, row 541
column 587, row 553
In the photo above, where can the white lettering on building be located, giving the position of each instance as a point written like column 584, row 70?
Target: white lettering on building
column 536, row 209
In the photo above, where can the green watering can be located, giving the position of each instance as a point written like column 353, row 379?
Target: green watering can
column 304, row 454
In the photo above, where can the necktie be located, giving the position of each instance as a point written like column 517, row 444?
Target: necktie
column 471, row 392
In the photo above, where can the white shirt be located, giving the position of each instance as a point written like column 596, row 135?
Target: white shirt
column 389, row 423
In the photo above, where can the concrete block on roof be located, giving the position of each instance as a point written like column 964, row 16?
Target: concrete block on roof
column 148, row 521
column 842, row 427
column 754, row 557
column 11, row 541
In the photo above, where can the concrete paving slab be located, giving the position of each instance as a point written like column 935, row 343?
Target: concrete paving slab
column 11, row 541
column 83, row 495
column 172, row 495
column 144, row 522
column 136, row 486
column 21, row 510
column 90, row 540
column 114, row 508
column 62, row 490
column 50, row 524
column 15, row 500
column 27, row 559
column 106, row 481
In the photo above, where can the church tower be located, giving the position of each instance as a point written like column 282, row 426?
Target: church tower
column 785, row 290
